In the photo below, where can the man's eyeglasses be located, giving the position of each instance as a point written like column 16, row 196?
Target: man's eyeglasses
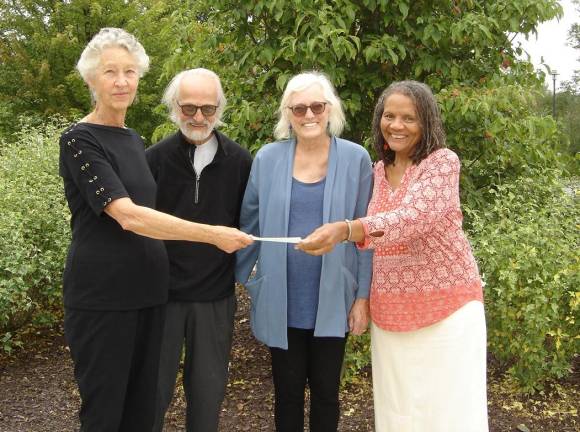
column 300, row 109
column 191, row 110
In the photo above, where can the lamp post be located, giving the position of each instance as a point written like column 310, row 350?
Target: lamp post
column 554, row 74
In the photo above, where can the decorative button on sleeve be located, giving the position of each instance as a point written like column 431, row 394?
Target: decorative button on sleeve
column 85, row 169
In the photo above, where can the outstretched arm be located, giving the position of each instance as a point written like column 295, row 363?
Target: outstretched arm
column 323, row 239
column 151, row 223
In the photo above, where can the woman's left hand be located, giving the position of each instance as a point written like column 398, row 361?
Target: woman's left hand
column 358, row 318
column 323, row 239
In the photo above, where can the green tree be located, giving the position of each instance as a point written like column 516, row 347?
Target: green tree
column 499, row 136
column 573, row 86
column 568, row 99
column 567, row 102
column 41, row 41
column 568, row 115
column 363, row 45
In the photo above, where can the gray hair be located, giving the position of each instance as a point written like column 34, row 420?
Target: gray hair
column 300, row 82
column 171, row 94
column 432, row 132
column 106, row 38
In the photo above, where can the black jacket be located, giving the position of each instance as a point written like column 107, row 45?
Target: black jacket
column 199, row 271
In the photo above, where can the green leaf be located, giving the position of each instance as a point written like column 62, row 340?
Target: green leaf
column 404, row 8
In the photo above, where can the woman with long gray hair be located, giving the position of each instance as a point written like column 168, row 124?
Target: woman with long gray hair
column 303, row 307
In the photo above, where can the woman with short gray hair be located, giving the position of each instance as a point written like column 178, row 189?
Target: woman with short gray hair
column 116, row 274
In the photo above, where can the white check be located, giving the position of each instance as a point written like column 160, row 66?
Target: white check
column 277, row 239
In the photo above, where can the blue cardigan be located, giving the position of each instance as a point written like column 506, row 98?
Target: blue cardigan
column 346, row 271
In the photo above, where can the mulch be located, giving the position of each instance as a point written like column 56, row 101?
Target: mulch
column 38, row 392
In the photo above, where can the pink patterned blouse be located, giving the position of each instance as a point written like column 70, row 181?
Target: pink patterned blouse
column 423, row 267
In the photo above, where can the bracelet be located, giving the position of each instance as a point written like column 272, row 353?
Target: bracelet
column 349, row 226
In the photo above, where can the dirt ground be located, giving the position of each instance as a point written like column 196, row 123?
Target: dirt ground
column 38, row 392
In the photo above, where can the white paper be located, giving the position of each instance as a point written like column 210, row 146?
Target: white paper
column 277, row 239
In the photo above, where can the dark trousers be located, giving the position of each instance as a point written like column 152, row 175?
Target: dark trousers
column 313, row 360
column 116, row 360
column 206, row 329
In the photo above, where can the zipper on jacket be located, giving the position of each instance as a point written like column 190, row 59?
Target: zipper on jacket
column 197, row 176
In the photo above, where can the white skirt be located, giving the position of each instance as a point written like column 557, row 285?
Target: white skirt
column 432, row 379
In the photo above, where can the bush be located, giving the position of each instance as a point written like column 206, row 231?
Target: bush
column 498, row 136
column 526, row 241
column 356, row 357
column 34, row 232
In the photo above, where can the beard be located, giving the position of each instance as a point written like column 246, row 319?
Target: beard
column 196, row 135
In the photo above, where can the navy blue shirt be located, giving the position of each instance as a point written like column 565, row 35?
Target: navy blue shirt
column 304, row 270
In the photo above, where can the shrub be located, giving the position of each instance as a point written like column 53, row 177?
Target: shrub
column 526, row 241
column 498, row 136
column 356, row 357
column 34, row 232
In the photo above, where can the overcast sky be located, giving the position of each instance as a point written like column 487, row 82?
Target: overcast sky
column 551, row 44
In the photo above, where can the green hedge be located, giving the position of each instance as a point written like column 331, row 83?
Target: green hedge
column 34, row 232
column 526, row 241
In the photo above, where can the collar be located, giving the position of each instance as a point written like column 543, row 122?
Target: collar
column 222, row 150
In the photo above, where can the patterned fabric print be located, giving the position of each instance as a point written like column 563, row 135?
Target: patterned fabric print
column 423, row 267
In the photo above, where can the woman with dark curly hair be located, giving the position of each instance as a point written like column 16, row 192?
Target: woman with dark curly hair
column 428, row 325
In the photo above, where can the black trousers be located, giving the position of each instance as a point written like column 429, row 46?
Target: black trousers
column 116, row 361
column 206, row 329
column 313, row 360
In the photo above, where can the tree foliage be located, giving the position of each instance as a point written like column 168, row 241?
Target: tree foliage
column 498, row 135
column 362, row 45
column 568, row 117
column 568, row 98
column 574, row 42
column 41, row 41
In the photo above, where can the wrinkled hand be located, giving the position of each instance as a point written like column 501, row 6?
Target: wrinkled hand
column 323, row 239
column 231, row 239
column 358, row 318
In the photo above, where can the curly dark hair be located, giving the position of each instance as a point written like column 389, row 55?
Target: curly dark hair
column 432, row 133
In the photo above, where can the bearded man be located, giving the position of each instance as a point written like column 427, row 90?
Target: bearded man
column 201, row 176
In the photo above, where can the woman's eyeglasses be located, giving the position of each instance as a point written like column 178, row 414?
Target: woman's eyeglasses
column 301, row 109
column 191, row 110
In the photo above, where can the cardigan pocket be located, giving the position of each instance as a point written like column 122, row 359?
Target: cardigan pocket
column 258, row 311
column 254, row 287
column 350, row 288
